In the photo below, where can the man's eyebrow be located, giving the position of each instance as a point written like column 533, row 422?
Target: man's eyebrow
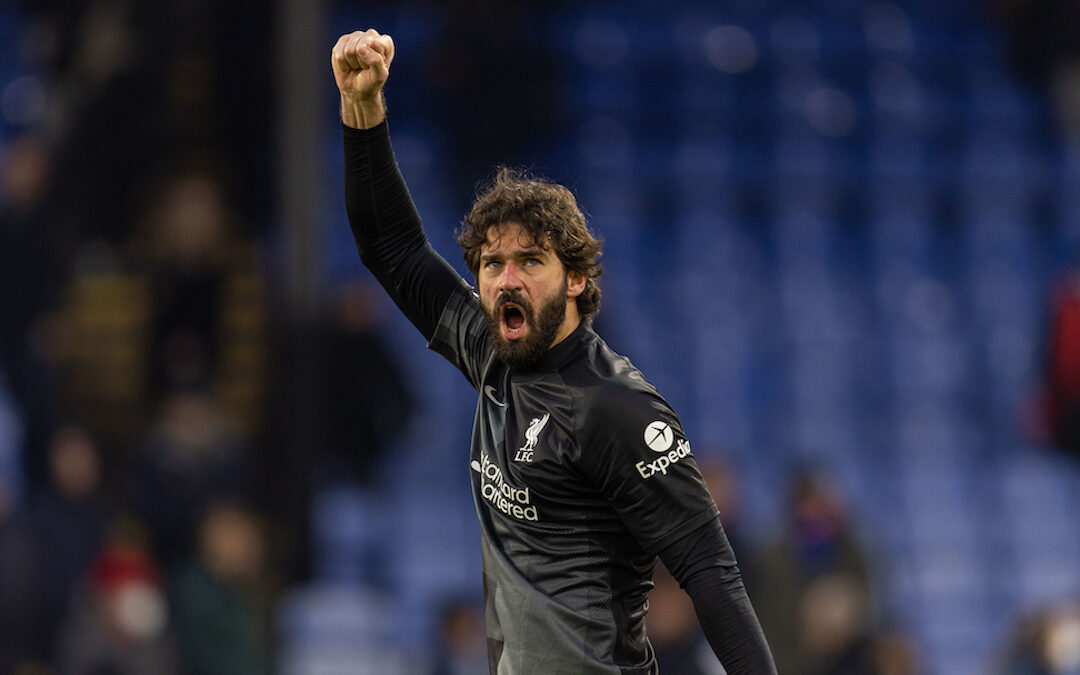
column 518, row 253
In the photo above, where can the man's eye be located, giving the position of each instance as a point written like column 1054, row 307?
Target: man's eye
column 492, row 264
column 531, row 262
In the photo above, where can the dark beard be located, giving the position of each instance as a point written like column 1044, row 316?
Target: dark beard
column 543, row 327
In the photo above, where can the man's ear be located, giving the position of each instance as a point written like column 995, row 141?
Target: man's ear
column 575, row 283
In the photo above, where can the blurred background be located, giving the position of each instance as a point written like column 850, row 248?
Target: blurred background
column 842, row 238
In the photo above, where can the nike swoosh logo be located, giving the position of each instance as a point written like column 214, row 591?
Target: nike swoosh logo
column 489, row 391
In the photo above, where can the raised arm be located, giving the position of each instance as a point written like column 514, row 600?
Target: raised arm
column 383, row 217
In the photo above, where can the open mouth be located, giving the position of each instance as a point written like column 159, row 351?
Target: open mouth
column 513, row 320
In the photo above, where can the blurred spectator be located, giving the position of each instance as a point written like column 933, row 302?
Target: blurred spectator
column 222, row 599
column 67, row 523
column 196, row 267
column 1045, row 642
column 811, row 588
column 30, row 245
column 1045, row 37
column 28, row 260
column 192, row 458
column 462, row 641
column 365, row 399
column 833, row 623
column 183, row 307
column 1063, row 367
column 674, row 631
column 893, row 652
column 837, row 633
column 35, row 248
column 119, row 623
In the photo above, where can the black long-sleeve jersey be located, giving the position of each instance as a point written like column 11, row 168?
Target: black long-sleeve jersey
column 581, row 472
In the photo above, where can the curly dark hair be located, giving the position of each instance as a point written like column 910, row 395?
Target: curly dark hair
column 546, row 211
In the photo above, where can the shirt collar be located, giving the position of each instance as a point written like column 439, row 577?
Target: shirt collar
column 560, row 354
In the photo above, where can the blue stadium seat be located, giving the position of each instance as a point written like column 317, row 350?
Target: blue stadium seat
column 334, row 630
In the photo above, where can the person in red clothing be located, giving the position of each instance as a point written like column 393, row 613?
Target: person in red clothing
column 1063, row 372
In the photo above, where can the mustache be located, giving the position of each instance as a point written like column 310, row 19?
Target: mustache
column 514, row 297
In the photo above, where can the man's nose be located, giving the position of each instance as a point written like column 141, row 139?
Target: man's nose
column 509, row 279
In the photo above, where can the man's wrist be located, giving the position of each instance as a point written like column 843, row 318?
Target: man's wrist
column 363, row 113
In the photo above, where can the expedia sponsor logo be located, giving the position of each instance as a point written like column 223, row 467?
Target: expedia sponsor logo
column 513, row 501
column 664, row 462
column 659, row 436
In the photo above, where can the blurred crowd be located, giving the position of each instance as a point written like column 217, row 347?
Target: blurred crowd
column 146, row 524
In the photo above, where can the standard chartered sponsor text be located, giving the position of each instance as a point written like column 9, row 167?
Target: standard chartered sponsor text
column 513, row 501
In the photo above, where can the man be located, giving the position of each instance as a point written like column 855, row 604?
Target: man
column 581, row 473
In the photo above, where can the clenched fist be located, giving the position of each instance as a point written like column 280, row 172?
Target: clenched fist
column 361, row 63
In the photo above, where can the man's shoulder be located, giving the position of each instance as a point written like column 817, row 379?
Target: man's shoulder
column 608, row 383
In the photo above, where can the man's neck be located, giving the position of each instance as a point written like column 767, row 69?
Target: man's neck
column 570, row 323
